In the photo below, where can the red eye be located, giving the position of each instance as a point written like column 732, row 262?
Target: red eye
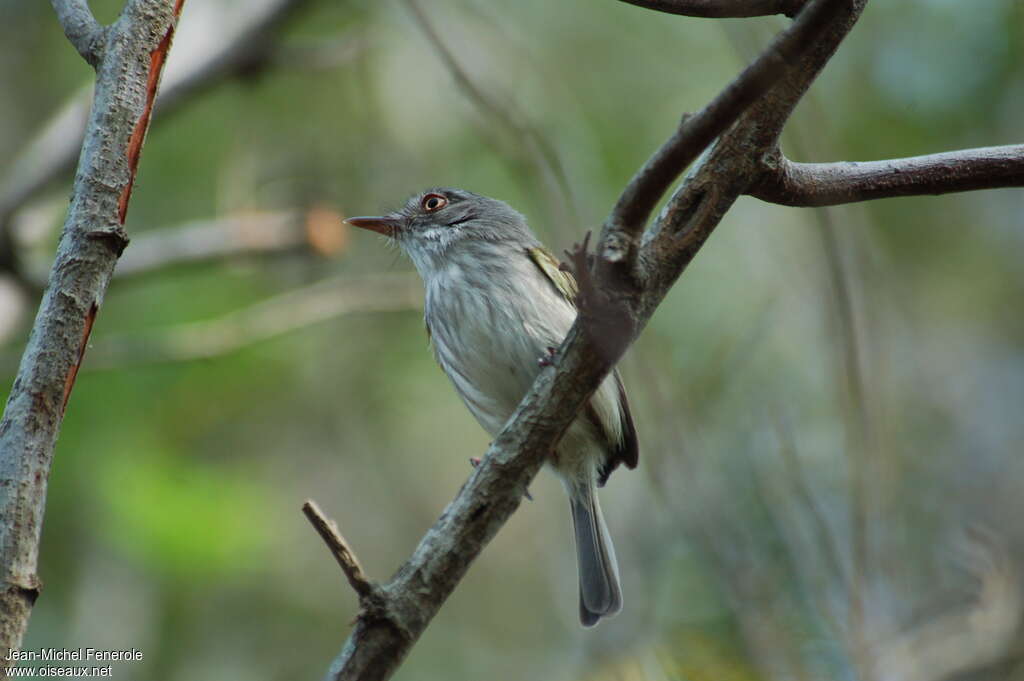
column 432, row 202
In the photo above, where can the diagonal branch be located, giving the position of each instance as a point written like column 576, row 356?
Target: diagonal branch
column 722, row 9
column 732, row 165
column 127, row 78
column 81, row 28
column 827, row 184
column 493, row 492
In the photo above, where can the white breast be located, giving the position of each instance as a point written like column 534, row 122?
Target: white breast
column 489, row 326
column 491, row 320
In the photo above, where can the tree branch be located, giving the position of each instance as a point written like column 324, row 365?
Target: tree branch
column 493, row 492
column 81, row 28
column 339, row 548
column 93, row 238
column 697, row 131
column 827, row 184
column 732, row 165
column 722, row 9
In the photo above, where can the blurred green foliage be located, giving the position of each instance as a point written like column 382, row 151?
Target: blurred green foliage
column 173, row 520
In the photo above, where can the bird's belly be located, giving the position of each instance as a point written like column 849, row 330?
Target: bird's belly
column 490, row 359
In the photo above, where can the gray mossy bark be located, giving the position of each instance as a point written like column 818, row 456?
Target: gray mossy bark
column 133, row 51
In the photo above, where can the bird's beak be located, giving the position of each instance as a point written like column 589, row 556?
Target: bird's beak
column 384, row 224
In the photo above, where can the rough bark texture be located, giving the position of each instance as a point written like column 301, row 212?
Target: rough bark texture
column 134, row 49
column 829, row 184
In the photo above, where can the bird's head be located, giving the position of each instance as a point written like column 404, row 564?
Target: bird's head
column 439, row 223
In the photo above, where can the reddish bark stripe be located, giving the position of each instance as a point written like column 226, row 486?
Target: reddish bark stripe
column 156, row 64
column 69, row 382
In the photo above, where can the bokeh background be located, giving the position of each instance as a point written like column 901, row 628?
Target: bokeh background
column 830, row 403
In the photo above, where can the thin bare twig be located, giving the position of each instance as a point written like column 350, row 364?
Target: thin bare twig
column 339, row 548
column 722, row 9
column 81, row 28
column 827, row 184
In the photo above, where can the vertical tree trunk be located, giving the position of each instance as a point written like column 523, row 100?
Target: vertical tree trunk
column 129, row 57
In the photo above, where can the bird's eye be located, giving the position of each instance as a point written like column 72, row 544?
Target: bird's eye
column 433, row 202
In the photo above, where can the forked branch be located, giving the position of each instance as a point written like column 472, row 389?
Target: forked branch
column 697, row 131
column 81, row 28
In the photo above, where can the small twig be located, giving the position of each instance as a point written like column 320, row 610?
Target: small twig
column 81, row 28
column 828, row 184
column 722, row 9
column 339, row 548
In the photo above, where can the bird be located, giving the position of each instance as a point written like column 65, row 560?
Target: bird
column 497, row 304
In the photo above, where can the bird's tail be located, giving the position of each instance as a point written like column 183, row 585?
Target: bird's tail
column 600, row 592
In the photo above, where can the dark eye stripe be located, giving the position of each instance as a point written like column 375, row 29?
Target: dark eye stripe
column 461, row 220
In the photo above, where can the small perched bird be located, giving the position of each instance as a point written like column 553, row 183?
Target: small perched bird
column 497, row 304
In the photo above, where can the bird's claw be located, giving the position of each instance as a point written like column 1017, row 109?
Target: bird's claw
column 548, row 359
column 578, row 262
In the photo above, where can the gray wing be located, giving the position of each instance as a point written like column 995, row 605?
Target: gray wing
column 627, row 451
